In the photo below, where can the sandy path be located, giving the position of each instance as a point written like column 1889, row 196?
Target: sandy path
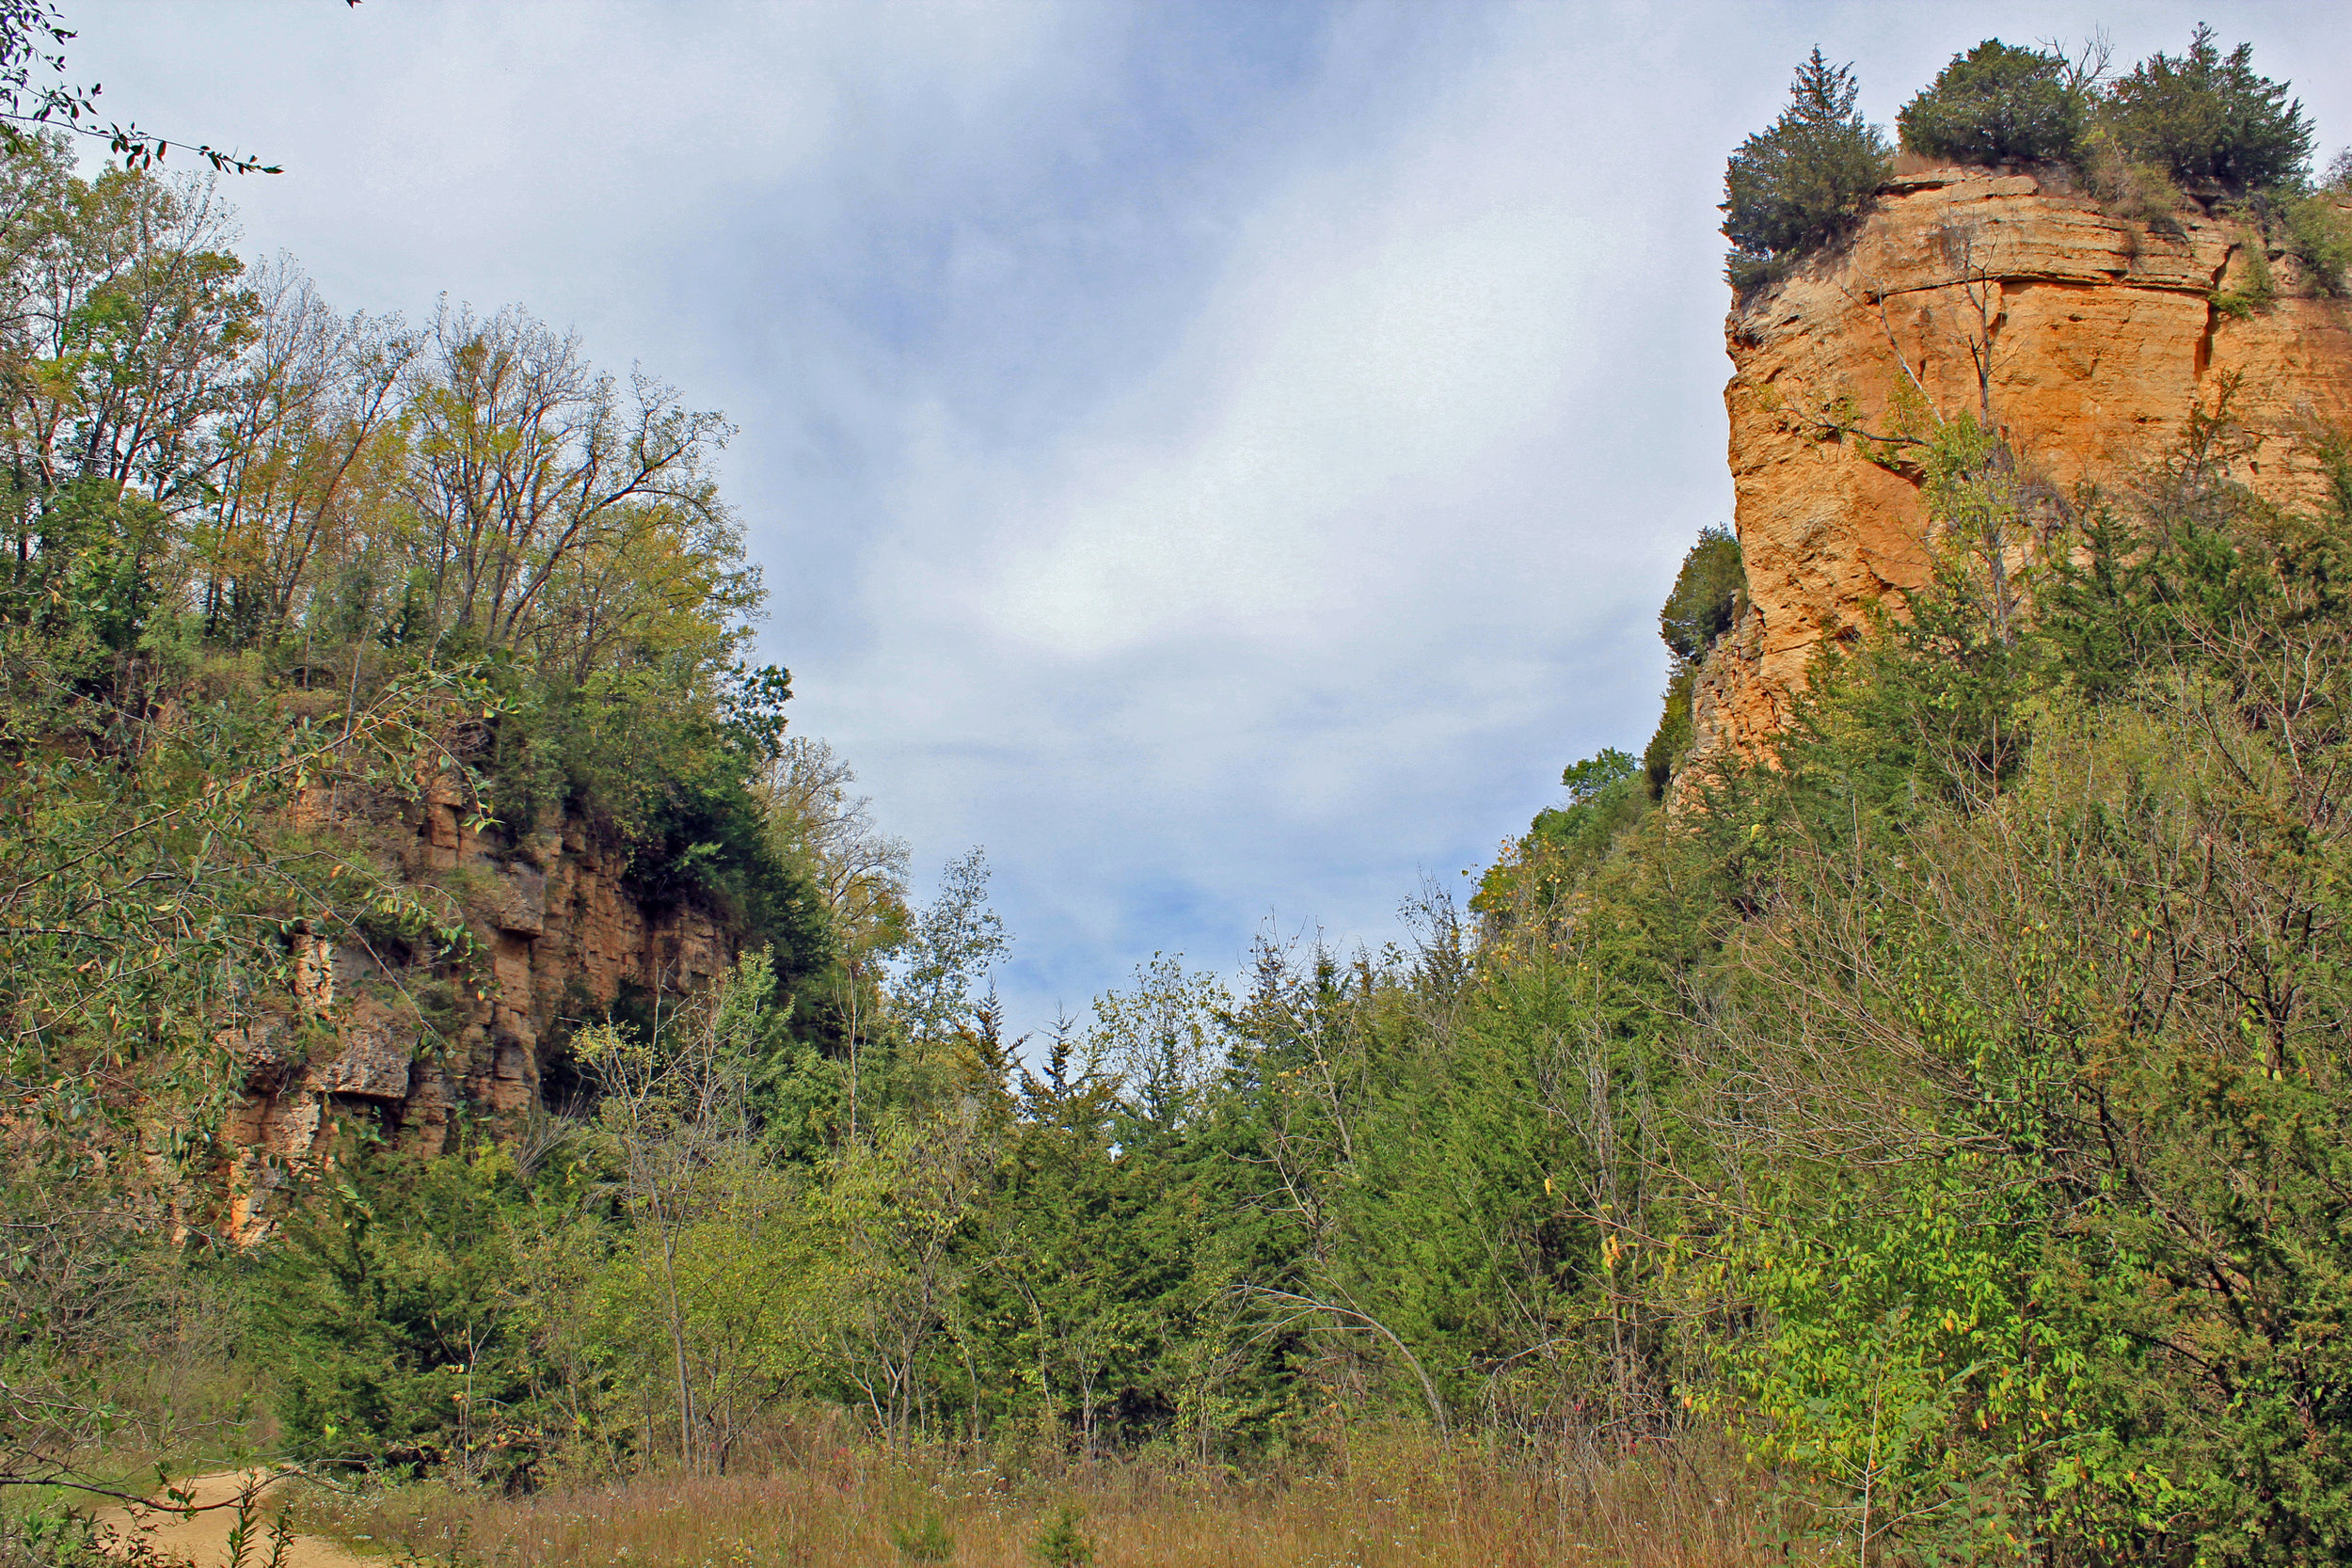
column 204, row 1538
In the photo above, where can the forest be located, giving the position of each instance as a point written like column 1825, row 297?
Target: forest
column 1926, row 1139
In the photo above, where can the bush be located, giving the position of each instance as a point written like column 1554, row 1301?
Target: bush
column 1997, row 103
column 2319, row 233
column 1672, row 741
column 384, row 1309
column 2129, row 187
column 2256, row 288
column 1604, row 798
column 1706, row 595
column 1805, row 183
column 1061, row 1544
column 2207, row 119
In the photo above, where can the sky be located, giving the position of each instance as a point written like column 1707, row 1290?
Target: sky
column 1222, row 459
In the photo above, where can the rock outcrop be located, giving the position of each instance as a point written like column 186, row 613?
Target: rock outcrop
column 415, row 1049
column 2090, row 336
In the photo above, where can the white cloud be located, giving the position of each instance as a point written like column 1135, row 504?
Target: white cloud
column 1222, row 457
column 1350, row 381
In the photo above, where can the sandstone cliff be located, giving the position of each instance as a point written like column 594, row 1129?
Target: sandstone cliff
column 415, row 1049
column 2095, row 336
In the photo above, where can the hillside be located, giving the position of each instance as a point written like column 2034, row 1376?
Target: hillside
column 2095, row 336
column 467, row 1048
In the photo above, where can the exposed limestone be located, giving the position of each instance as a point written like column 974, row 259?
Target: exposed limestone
column 2095, row 336
column 558, row 935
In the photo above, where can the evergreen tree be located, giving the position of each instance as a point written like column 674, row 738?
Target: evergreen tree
column 2211, row 120
column 1998, row 103
column 1804, row 183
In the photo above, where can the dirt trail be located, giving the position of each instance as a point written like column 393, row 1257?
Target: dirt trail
column 204, row 1538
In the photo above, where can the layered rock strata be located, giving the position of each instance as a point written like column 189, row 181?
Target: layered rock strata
column 2089, row 337
column 557, row 937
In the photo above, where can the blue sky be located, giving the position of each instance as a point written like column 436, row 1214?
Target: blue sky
column 1223, row 458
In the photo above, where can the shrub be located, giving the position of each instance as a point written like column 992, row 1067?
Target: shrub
column 1994, row 104
column 2319, row 233
column 1061, row 1544
column 2210, row 119
column 1805, row 183
column 1706, row 597
column 2129, row 187
column 928, row 1541
column 2256, row 288
column 1663, row 757
column 383, row 1308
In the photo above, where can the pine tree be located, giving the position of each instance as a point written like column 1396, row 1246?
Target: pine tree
column 1805, row 181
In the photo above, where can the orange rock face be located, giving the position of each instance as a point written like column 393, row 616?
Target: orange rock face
column 2089, row 337
column 557, row 933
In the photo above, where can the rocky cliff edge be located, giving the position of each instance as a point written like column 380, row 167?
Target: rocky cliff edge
column 415, row 1048
column 2095, row 336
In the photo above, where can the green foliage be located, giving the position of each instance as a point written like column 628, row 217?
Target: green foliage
column 1986, row 1307
column 1603, row 799
column 2003, row 959
column 1709, row 592
column 1904, row 1361
column 1997, row 103
column 2129, row 185
column 1586, row 781
column 925, row 1542
column 387, row 1312
column 1805, row 181
column 2210, row 119
column 1950, row 1104
column 2256, row 288
column 705, row 837
column 1670, row 742
column 751, row 703
column 953, row 943
column 1949, row 1110
column 1138, row 1212
column 1063, row 1543
column 234, row 592
column 2202, row 120
column 2319, row 233
column 1935, row 705
column 2189, row 561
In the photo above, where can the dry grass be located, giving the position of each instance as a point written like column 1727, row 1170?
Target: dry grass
column 1385, row 1502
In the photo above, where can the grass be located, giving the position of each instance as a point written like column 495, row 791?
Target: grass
column 1385, row 1501
column 177, row 1404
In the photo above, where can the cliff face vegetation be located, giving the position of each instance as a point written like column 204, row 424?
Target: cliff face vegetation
column 2087, row 337
column 462, row 1045
column 370, row 692
column 554, row 934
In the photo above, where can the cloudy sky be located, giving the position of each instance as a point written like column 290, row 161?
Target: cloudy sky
column 1223, row 458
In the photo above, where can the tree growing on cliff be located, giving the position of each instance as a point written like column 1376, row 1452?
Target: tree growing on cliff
column 1805, row 181
column 2000, row 103
column 1708, row 594
column 2211, row 120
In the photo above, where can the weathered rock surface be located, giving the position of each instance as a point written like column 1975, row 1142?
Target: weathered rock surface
column 2095, row 338
column 558, row 934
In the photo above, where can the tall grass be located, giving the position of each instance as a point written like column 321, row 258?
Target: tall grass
column 1389, row 1499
